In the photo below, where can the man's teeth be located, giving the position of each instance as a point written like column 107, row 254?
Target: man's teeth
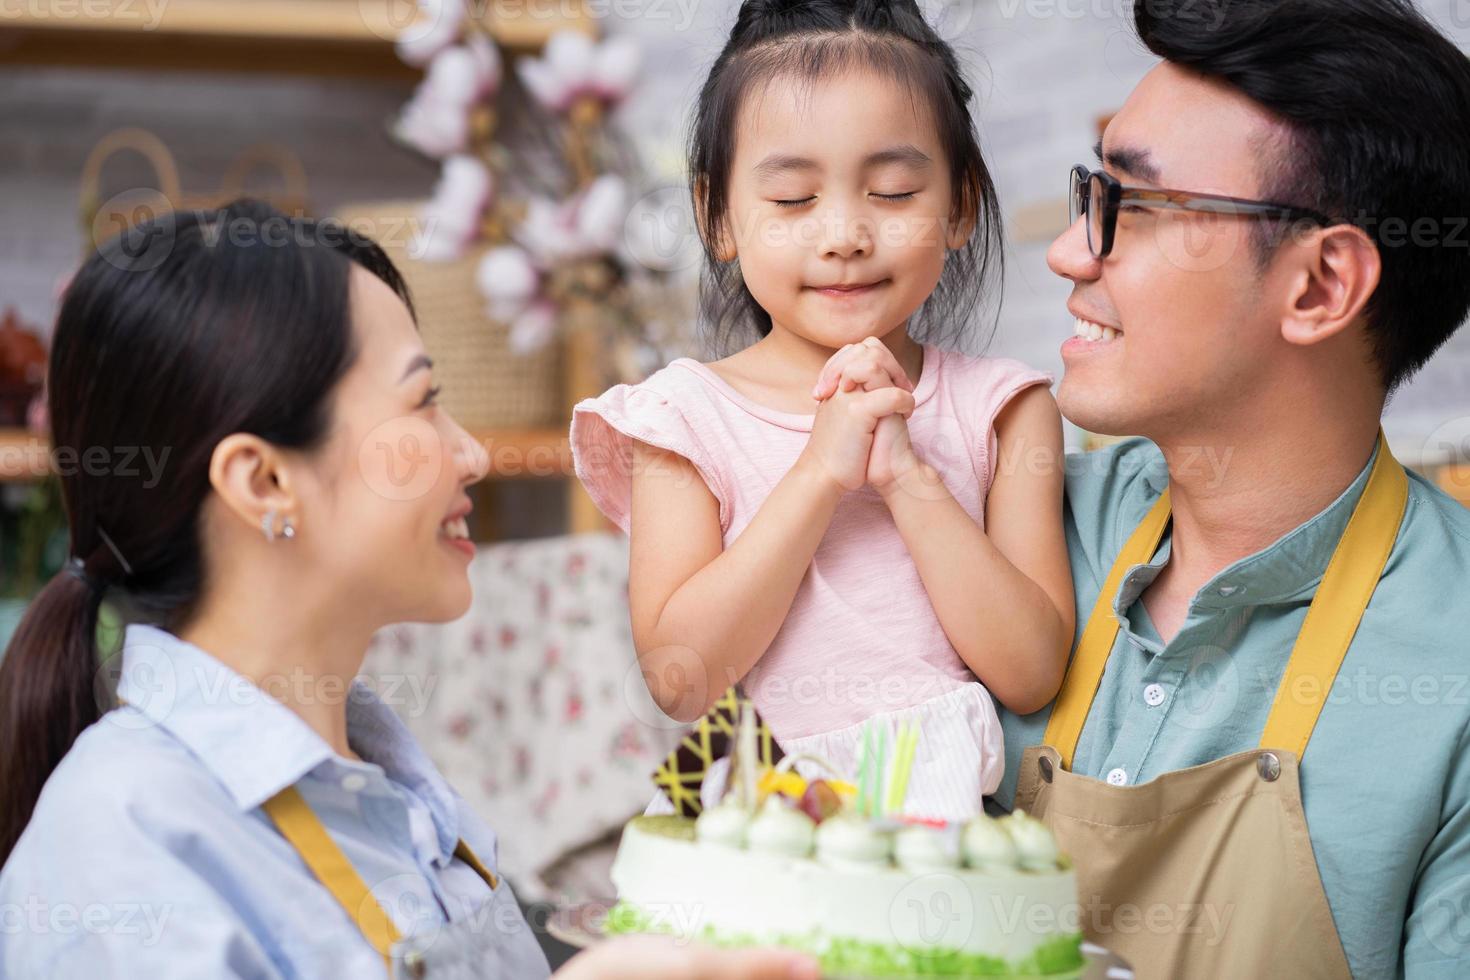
column 457, row 528
column 1088, row 330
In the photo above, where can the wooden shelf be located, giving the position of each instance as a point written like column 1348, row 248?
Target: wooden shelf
column 315, row 37
column 514, row 454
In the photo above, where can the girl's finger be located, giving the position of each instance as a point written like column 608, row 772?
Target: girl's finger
column 865, row 373
column 890, row 363
column 831, row 372
column 887, row 401
column 875, row 371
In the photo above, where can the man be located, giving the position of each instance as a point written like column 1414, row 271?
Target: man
column 1253, row 342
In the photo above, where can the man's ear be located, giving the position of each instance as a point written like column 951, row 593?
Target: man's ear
column 1338, row 273
column 250, row 478
column 718, row 239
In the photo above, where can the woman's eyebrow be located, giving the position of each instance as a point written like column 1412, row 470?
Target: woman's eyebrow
column 421, row 361
column 905, row 154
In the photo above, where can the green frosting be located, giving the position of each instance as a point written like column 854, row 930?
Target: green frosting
column 1060, row 957
column 666, row 825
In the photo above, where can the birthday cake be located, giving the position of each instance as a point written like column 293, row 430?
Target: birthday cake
column 835, row 868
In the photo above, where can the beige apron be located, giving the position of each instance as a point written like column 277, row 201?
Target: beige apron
column 1208, row 871
column 477, row 946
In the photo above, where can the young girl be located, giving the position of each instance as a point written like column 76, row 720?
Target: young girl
column 898, row 552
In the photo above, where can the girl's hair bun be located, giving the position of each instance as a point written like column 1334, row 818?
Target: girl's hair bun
column 876, row 13
column 775, row 8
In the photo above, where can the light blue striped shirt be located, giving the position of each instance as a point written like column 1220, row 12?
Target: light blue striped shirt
column 148, row 854
column 1386, row 775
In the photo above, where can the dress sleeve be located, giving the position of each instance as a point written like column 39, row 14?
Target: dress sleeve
column 603, row 430
column 1003, row 380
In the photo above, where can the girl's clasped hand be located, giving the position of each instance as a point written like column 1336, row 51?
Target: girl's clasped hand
column 861, row 428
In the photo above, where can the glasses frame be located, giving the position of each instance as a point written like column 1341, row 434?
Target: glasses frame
column 1114, row 193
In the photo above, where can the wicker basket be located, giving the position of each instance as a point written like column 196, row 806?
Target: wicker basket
column 486, row 385
column 101, row 219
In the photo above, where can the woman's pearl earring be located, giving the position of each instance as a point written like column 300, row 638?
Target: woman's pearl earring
column 268, row 526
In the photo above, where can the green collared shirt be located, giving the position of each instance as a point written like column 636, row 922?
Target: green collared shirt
column 1386, row 775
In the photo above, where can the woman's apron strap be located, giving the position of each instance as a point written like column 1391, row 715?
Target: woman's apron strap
column 304, row 831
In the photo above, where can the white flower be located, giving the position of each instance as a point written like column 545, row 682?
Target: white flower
column 434, row 128
column 435, row 28
column 453, row 78
column 508, row 280
column 574, row 65
column 570, row 54
column 601, row 212
column 533, row 329
column 451, row 218
column 436, row 119
column 541, row 82
column 587, row 224
column 547, row 232
column 616, row 68
column 487, row 63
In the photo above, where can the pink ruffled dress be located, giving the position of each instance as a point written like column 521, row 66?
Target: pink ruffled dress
column 862, row 639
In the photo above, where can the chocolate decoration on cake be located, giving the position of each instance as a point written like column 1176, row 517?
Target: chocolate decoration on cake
column 681, row 776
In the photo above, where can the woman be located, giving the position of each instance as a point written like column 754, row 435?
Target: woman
column 257, row 479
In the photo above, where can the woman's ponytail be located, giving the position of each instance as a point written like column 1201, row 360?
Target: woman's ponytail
column 48, row 693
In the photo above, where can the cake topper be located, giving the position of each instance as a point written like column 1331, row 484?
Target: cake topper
column 681, row 776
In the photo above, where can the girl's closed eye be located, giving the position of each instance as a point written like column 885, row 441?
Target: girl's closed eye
column 431, row 397
column 789, row 203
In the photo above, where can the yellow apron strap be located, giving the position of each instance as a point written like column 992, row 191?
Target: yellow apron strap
column 1079, row 686
column 304, row 831
column 1333, row 617
column 463, row 852
column 1348, row 584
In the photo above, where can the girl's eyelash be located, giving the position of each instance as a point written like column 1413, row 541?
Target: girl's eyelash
column 431, row 396
column 808, row 200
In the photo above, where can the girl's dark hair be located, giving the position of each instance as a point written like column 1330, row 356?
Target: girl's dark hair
column 814, row 39
column 172, row 336
column 1377, row 105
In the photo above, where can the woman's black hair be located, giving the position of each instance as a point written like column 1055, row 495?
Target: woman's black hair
column 814, row 39
column 1377, row 104
column 172, row 336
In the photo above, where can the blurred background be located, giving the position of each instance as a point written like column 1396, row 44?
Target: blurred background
column 523, row 161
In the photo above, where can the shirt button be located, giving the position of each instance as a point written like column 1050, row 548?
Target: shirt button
column 1118, row 777
column 1153, row 695
column 354, row 782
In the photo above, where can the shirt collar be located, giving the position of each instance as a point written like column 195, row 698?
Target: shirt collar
column 1288, row 569
column 252, row 743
